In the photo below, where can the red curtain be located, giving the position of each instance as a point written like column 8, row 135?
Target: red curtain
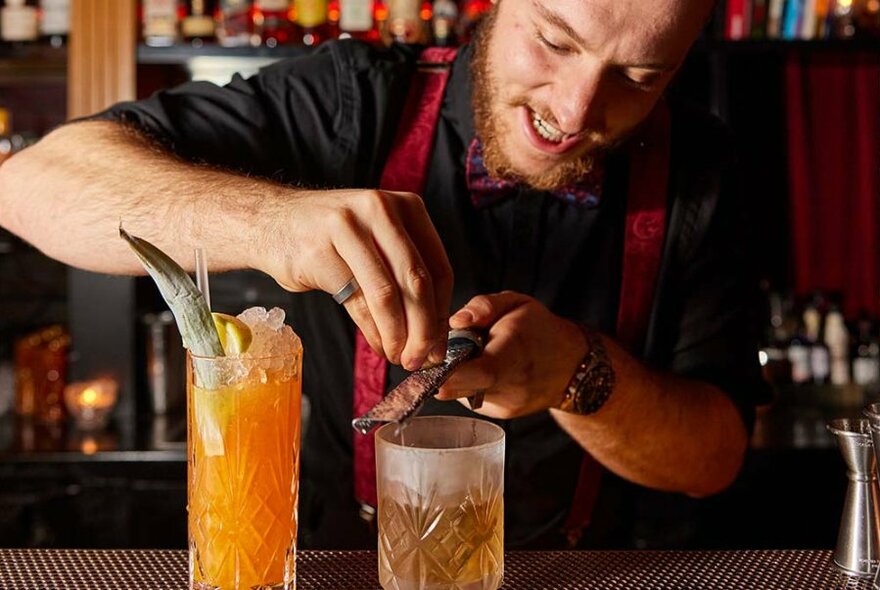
column 833, row 110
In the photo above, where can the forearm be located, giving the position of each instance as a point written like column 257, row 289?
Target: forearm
column 68, row 194
column 662, row 431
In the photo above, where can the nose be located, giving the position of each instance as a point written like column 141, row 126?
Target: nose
column 576, row 101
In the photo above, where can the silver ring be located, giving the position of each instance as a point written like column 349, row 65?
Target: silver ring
column 347, row 290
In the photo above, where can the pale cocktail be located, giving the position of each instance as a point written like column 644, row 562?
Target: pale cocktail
column 441, row 504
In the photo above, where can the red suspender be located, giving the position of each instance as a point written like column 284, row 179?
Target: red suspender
column 405, row 170
column 642, row 250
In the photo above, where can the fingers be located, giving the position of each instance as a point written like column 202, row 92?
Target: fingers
column 484, row 310
column 376, row 307
column 428, row 243
column 397, row 241
column 478, row 374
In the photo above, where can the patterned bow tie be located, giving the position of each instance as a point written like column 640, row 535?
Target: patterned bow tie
column 486, row 190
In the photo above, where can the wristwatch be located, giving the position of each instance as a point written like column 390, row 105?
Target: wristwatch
column 593, row 380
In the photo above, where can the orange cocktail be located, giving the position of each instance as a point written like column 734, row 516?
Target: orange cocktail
column 243, row 436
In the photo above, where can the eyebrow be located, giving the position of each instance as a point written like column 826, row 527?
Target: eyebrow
column 560, row 23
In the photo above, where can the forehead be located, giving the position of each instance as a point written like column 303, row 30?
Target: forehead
column 636, row 29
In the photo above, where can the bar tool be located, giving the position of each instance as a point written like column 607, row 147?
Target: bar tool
column 858, row 540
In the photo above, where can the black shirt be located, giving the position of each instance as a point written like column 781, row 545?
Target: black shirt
column 327, row 120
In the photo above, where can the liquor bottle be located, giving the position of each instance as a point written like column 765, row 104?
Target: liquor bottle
column 471, row 13
column 311, row 17
column 820, row 358
column 198, row 24
column 356, row 20
column 6, row 142
column 404, row 21
column 19, row 22
column 235, row 23
column 837, row 341
column 799, row 357
column 445, row 19
column 843, row 20
column 55, row 23
column 161, row 22
column 272, row 22
column 865, row 353
column 773, row 355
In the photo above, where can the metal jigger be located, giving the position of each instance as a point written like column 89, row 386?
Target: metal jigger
column 858, row 542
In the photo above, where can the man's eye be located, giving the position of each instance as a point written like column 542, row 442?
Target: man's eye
column 551, row 46
column 639, row 84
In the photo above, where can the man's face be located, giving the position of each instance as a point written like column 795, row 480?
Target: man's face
column 557, row 82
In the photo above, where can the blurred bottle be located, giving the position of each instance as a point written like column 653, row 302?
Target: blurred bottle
column 773, row 355
column 235, row 23
column 404, row 22
column 356, row 21
column 160, row 22
column 865, row 353
column 11, row 142
column 273, row 23
column 843, row 19
column 6, row 145
column 55, row 21
column 799, row 356
column 837, row 341
column 820, row 358
column 471, row 13
column 41, row 373
column 445, row 19
column 198, row 23
column 311, row 19
column 19, row 22
column 867, row 17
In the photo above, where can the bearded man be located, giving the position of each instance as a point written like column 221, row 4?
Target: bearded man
column 535, row 184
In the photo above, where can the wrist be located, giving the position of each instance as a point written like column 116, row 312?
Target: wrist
column 593, row 380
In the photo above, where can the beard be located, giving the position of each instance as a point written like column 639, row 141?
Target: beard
column 492, row 126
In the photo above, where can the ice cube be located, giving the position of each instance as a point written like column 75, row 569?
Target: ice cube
column 275, row 318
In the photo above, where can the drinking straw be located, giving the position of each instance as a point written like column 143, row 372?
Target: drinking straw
column 202, row 275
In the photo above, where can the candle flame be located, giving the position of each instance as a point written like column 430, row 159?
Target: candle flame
column 89, row 396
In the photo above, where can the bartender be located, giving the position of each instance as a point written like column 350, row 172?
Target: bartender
column 536, row 184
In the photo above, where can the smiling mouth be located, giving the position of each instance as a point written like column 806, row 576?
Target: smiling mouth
column 546, row 130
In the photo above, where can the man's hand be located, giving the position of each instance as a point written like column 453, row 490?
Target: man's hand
column 530, row 355
column 320, row 240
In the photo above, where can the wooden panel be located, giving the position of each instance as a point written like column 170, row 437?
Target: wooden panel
column 101, row 65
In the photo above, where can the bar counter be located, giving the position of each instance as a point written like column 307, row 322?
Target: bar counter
column 30, row 569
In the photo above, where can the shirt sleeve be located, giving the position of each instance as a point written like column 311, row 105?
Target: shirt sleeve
column 717, row 337
column 297, row 121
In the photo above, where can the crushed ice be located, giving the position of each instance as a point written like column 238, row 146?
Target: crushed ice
column 268, row 357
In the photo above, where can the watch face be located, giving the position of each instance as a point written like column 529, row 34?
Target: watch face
column 596, row 387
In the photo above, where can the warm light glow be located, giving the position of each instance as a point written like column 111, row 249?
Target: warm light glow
column 90, row 402
column 89, row 397
column 873, row 5
column 844, row 3
column 427, row 11
column 381, row 13
column 89, row 446
column 333, row 15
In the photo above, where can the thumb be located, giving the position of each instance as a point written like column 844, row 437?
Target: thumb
column 484, row 310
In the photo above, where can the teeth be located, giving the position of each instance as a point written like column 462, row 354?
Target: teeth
column 546, row 130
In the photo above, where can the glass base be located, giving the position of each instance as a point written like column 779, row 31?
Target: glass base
column 202, row 586
column 492, row 581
